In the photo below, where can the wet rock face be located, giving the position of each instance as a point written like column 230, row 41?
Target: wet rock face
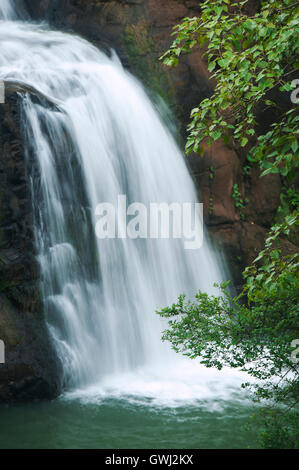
column 239, row 206
column 31, row 367
column 18, row 271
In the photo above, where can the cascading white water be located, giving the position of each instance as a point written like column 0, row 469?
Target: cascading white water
column 7, row 10
column 107, row 139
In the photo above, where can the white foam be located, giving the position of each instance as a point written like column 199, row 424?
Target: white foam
column 186, row 383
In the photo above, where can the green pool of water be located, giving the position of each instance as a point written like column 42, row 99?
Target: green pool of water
column 121, row 424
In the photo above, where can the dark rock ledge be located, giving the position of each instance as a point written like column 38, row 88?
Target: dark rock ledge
column 31, row 370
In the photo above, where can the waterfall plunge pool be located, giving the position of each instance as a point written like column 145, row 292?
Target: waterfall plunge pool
column 189, row 407
column 121, row 424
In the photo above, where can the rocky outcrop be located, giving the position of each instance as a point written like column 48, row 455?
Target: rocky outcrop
column 12, row 86
column 31, row 367
column 239, row 206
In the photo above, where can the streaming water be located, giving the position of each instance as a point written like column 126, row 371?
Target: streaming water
column 105, row 138
column 7, row 10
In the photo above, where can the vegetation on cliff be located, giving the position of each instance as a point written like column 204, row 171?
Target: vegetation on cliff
column 252, row 58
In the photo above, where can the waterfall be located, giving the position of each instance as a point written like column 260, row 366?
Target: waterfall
column 105, row 139
column 7, row 10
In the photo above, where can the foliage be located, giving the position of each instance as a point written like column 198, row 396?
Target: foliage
column 240, row 203
column 222, row 330
column 252, row 59
column 255, row 336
